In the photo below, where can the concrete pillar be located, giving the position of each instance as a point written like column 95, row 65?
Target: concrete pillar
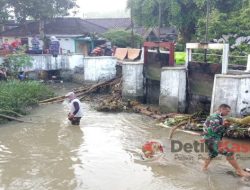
column 232, row 90
column 99, row 68
column 248, row 64
column 173, row 89
column 132, row 80
column 225, row 55
column 188, row 57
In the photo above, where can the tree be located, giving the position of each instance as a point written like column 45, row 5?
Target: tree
column 233, row 22
column 4, row 13
column 189, row 15
column 185, row 15
column 182, row 14
column 146, row 12
column 39, row 10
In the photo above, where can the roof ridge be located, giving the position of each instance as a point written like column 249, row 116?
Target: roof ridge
column 19, row 27
column 94, row 24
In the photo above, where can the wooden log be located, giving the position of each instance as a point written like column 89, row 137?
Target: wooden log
column 10, row 111
column 52, row 99
column 15, row 119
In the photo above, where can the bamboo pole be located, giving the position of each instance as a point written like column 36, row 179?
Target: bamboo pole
column 80, row 92
column 184, row 131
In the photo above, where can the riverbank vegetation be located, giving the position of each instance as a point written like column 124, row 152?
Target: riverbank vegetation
column 19, row 97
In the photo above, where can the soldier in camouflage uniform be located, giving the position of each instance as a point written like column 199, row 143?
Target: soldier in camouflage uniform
column 214, row 129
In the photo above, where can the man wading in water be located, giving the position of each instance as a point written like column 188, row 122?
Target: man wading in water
column 214, row 129
column 76, row 112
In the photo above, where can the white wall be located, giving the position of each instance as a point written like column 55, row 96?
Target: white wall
column 231, row 90
column 48, row 62
column 75, row 60
column 67, row 44
column 132, row 80
column 173, row 89
column 99, row 68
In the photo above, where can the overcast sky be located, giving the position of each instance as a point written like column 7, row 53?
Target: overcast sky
column 88, row 7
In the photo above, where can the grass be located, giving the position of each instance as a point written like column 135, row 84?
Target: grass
column 16, row 96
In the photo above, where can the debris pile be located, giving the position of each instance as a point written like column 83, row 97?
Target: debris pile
column 112, row 102
column 239, row 129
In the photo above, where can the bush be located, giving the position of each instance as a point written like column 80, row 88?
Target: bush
column 121, row 38
column 17, row 96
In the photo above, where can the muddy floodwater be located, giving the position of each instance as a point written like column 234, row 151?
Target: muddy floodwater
column 103, row 154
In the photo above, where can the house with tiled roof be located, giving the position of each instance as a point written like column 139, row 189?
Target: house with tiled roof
column 73, row 33
column 8, row 24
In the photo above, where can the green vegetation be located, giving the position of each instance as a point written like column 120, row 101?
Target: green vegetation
column 122, row 38
column 17, row 96
column 38, row 10
column 16, row 60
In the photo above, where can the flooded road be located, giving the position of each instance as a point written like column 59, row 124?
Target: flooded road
column 102, row 154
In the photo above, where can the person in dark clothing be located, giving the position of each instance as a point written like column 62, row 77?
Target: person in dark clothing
column 214, row 129
column 54, row 46
column 35, row 45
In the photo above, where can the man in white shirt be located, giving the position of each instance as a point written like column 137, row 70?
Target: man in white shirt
column 76, row 112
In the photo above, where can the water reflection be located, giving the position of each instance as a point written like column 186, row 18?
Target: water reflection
column 102, row 154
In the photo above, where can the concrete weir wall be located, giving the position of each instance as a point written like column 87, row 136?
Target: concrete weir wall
column 231, row 90
column 173, row 89
column 48, row 62
column 132, row 77
column 99, row 68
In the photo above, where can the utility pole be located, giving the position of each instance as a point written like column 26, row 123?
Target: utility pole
column 207, row 19
column 132, row 27
column 206, row 34
column 159, row 20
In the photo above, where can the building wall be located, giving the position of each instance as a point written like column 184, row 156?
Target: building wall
column 231, row 90
column 99, row 68
column 67, row 44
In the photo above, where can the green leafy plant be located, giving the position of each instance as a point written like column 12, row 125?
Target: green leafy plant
column 15, row 61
